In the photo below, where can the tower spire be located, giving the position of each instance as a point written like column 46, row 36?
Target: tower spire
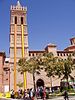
column 18, row 3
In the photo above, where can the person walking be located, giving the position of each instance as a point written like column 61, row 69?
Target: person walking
column 26, row 95
column 44, row 93
column 66, row 95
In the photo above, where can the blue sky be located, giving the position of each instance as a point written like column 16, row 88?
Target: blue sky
column 49, row 21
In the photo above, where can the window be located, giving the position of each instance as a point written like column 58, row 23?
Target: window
column 29, row 54
column 64, row 54
column 6, row 61
column 58, row 54
column 15, row 20
column 67, row 54
column 21, row 20
column 71, row 42
column 33, row 54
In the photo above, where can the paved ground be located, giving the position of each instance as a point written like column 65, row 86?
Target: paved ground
column 56, row 98
column 61, row 98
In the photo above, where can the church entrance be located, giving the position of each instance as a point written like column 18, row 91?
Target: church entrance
column 39, row 87
column 40, row 83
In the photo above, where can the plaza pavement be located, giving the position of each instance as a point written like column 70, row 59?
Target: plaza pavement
column 54, row 98
column 61, row 98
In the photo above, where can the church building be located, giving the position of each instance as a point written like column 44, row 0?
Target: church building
column 19, row 48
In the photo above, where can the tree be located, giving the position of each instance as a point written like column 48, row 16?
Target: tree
column 31, row 65
column 49, row 62
column 34, row 67
column 23, row 65
column 59, row 67
column 20, row 84
column 64, row 67
column 23, row 68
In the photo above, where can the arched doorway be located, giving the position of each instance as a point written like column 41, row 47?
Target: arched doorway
column 40, row 83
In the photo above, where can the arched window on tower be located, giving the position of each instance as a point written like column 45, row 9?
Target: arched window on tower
column 21, row 20
column 15, row 19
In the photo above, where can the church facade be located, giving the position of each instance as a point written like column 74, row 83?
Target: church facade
column 19, row 48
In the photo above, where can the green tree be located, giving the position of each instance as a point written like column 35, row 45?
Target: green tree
column 23, row 66
column 34, row 67
column 64, row 67
column 20, row 84
column 49, row 62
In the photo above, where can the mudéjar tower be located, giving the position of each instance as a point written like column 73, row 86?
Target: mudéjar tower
column 18, row 41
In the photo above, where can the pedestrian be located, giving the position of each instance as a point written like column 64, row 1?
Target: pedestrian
column 44, row 93
column 41, row 92
column 31, row 94
column 25, row 93
column 12, row 94
column 66, row 95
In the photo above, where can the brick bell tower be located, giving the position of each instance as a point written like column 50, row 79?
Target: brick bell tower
column 18, row 41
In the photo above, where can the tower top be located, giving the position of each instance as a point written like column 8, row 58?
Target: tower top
column 18, row 7
column 72, row 40
column 18, row 3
